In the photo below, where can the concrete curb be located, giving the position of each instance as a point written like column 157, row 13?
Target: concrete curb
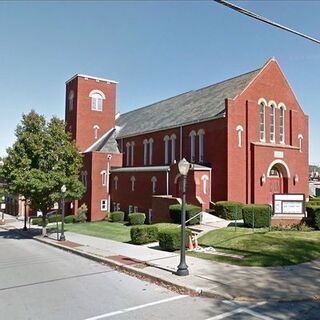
column 159, row 280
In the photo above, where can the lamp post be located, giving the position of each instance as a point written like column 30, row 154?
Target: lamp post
column 3, row 198
column 184, row 167
column 109, row 157
column 25, row 214
column 63, row 191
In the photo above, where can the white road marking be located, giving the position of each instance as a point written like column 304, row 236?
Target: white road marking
column 244, row 310
column 110, row 314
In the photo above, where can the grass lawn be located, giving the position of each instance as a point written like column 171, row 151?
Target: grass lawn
column 107, row 230
column 262, row 248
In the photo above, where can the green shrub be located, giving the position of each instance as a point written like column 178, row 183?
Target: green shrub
column 136, row 218
column 35, row 221
column 82, row 213
column 70, row 219
column 229, row 210
column 313, row 214
column 144, row 234
column 116, row 216
column 261, row 213
column 54, row 218
column 191, row 211
column 42, row 223
column 170, row 238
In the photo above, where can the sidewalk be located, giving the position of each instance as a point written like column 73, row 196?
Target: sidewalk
column 208, row 278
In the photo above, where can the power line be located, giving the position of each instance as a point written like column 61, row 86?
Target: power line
column 265, row 20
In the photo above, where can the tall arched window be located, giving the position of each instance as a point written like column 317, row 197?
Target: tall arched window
column 95, row 131
column 262, row 120
column 166, row 149
column 150, row 150
column 201, row 144
column 115, row 179
column 272, row 122
column 145, row 151
column 205, row 184
column 97, row 98
column 84, row 179
column 154, row 181
column 239, row 130
column 282, row 122
column 128, row 146
column 132, row 152
column 300, row 138
column 192, row 146
column 70, row 100
column 173, row 148
column 103, row 177
column 133, row 180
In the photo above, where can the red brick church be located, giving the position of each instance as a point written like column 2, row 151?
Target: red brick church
column 247, row 138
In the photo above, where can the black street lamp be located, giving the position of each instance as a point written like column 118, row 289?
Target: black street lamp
column 25, row 214
column 63, row 191
column 184, row 167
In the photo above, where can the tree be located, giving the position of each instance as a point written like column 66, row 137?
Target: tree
column 42, row 159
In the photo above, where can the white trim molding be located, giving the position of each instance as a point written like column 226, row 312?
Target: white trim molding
column 282, row 163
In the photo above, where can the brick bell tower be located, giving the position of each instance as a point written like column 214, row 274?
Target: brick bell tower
column 90, row 108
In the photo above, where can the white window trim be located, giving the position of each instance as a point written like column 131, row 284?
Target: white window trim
column 115, row 180
column 84, row 179
column 103, row 174
column 150, row 150
column 273, row 108
column 128, row 153
column 70, row 100
column 201, row 144
column 282, row 108
column 154, row 181
column 133, row 180
column 96, row 128
column 262, row 133
column 132, row 153
column 104, row 204
column 145, row 151
column 173, row 139
column 239, row 130
column 204, row 183
column 300, row 138
column 192, row 135
column 166, row 149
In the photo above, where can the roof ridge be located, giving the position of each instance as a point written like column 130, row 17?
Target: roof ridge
column 196, row 90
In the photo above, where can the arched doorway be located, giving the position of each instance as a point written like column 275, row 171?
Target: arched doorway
column 278, row 174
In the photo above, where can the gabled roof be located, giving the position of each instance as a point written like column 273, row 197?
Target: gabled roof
column 189, row 107
column 107, row 143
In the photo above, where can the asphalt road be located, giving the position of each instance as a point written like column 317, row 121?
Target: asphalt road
column 42, row 282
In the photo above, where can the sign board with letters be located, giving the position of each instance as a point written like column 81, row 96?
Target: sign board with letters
column 288, row 203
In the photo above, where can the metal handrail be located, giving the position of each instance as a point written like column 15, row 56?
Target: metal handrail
column 191, row 218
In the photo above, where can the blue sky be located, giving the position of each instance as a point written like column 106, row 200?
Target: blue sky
column 154, row 49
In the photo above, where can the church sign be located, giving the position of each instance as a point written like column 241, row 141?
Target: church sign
column 290, row 203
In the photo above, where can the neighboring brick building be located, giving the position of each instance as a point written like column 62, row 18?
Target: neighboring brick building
column 247, row 137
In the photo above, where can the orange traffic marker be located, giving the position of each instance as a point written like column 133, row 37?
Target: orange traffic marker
column 190, row 243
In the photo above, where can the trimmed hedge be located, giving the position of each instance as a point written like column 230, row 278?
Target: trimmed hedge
column 229, row 210
column 170, row 238
column 116, row 216
column 54, row 218
column 191, row 211
column 261, row 212
column 35, row 221
column 313, row 214
column 144, row 234
column 137, row 218
column 70, row 219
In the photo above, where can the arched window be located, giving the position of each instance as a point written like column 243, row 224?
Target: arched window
column 282, row 122
column 154, row 181
column 97, row 98
column 272, row 122
column 115, row 180
column 205, row 184
column 201, row 144
column 104, row 177
column 262, row 120
column 150, row 150
column 133, row 180
column 166, row 149
column 145, row 151
column 300, row 138
column 70, row 100
column 84, row 180
column 128, row 153
column 173, row 148
column 239, row 130
column 132, row 152
column 192, row 146
column 95, row 131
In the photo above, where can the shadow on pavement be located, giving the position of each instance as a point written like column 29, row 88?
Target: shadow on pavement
column 19, row 234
